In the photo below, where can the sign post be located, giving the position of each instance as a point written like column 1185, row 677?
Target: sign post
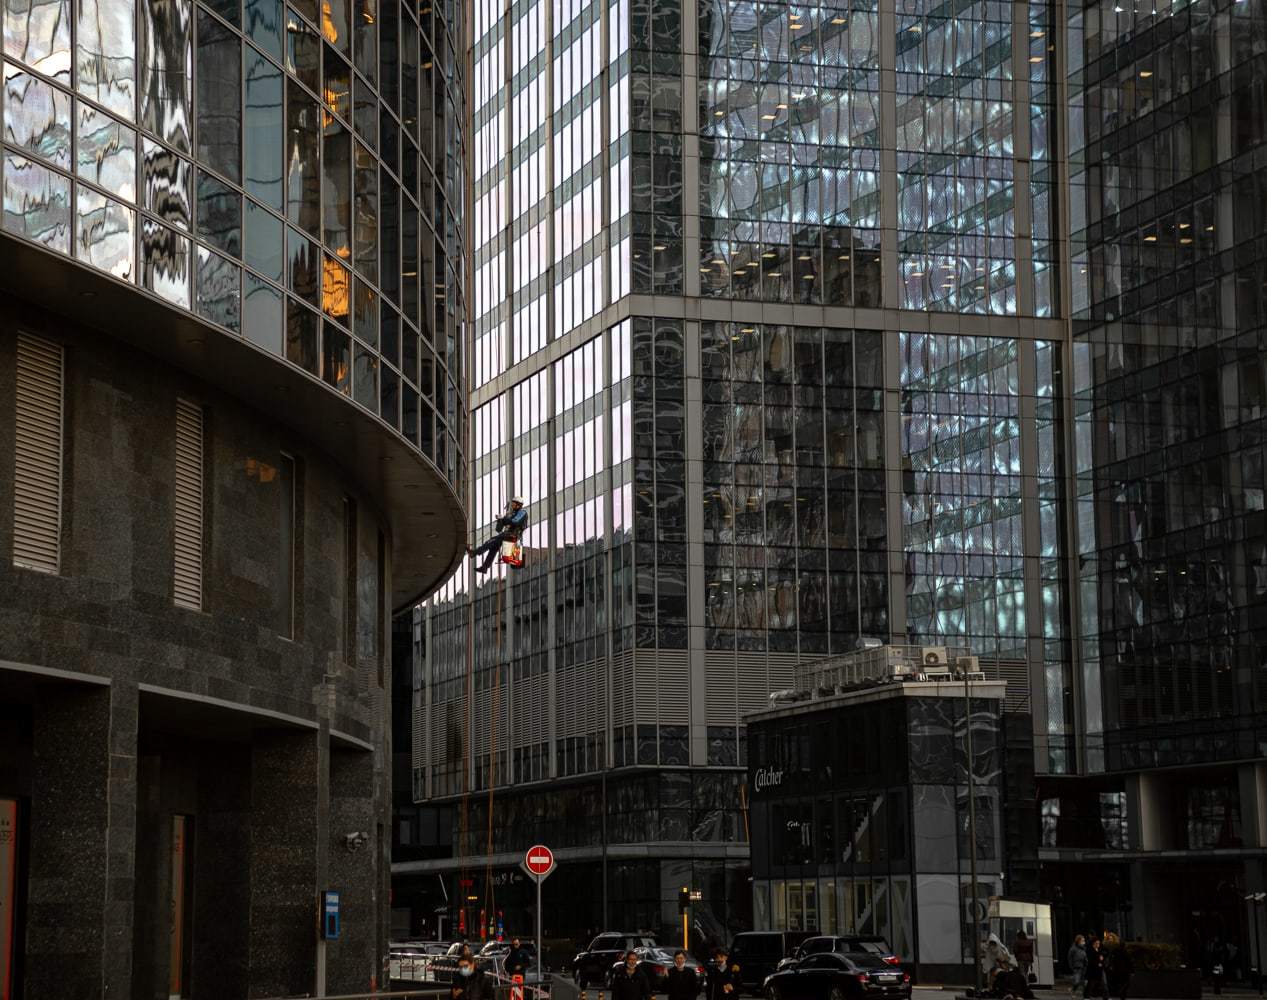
column 538, row 863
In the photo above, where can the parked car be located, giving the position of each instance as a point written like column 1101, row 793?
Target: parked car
column 834, row 976
column 590, row 966
column 655, row 963
column 870, row 944
column 758, row 954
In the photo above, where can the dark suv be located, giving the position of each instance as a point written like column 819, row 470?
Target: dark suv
column 844, row 944
column 590, row 966
column 758, row 954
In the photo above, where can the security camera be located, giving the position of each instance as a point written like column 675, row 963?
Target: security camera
column 355, row 841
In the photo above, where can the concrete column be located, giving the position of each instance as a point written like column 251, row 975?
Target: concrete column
column 83, row 829
column 285, row 826
column 1253, row 788
column 351, row 961
column 1147, row 801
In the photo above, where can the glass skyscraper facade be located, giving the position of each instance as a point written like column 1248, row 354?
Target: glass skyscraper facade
column 802, row 323
column 768, row 331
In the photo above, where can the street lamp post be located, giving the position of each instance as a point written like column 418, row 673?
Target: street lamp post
column 972, row 832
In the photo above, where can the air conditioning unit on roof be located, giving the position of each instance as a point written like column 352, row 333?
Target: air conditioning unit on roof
column 934, row 656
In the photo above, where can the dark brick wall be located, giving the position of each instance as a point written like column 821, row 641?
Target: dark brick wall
column 110, row 611
column 103, row 768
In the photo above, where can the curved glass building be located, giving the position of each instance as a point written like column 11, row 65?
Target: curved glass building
column 233, row 418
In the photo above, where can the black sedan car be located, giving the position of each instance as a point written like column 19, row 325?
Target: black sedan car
column 833, row 976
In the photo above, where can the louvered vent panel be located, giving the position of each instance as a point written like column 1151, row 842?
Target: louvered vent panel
column 721, row 706
column 752, row 682
column 646, row 705
column 187, row 575
column 1016, row 673
column 37, row 456
column 419, row 751
column 673, row 675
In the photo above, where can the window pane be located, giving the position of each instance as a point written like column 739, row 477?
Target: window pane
column 263, row 143
column 219, row 97
column 166, row 70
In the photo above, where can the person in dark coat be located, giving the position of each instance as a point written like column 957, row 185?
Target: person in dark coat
column 1077, row 960
column 470, row 983
column 629, row 983
column 518, row 960
column 681, row 983
column 1096, row 985
column 723, row 978
column 1023, row 949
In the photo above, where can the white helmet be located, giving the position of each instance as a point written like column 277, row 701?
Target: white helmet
column 517, row 499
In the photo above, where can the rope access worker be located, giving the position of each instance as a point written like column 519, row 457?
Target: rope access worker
column 510, row 528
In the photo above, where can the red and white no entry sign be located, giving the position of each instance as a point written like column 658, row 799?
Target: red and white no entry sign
column 539, row 861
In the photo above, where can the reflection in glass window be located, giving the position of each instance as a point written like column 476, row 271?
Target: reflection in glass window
column 365, row 214
column 336, row 358
column 105, row 233
column 219, row 97
column 219, row 214
column 167, row 70
column 303, row 267
column 303, row 159
column 262, row 137
column 262, row 241
column 36, row 117
column 262, row 313
column 165, row 262
column 336, row 188
column 36, row 203
column 303, row 334
column 218, row 287
column 105, row 152
column 365, row 378
column 303, row 52
column 38, row 33
column 264, row 25
column 165, row 180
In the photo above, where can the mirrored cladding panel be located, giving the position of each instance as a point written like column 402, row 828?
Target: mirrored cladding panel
column 289, row 173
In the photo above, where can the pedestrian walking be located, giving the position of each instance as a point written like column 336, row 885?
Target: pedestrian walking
column 1023, row 949
column 629, row 983
column 518, row 958
column 470, row 983
column 723, row 978
column 1096, row 984
column 1077, row 962
column 681, row 983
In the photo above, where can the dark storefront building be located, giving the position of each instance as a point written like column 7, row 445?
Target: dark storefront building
column 231, row 444
column 859, row 816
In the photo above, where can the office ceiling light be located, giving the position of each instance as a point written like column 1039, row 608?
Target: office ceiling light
column 1037, row 33
column 1145, row 73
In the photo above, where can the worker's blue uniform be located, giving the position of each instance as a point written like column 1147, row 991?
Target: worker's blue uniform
column 511, row 527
